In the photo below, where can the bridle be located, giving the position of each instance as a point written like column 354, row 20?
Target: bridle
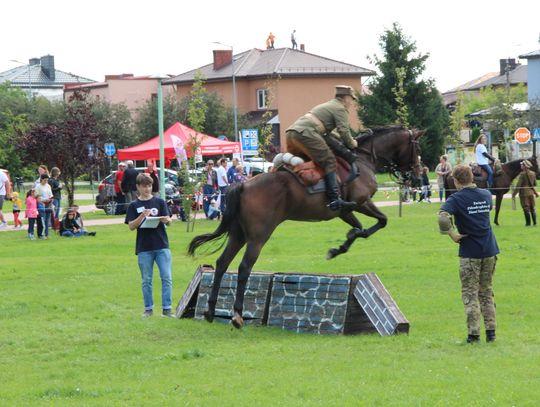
column 399, row 174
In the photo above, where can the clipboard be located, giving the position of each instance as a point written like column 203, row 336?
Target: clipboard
column 150, row 222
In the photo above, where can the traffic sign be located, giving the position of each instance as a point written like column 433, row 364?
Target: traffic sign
column 536, row 134
column 522, row 135
column 109, row 149
column 250, row 141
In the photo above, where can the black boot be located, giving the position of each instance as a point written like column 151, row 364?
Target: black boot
column 533, row 217
column 473, row 338
column 341, row 151
column 490, row 335
column 527, row 218
column 332, row 191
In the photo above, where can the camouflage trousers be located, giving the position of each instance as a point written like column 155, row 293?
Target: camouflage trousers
column 477, row 293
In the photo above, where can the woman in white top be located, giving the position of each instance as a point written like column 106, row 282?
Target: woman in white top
column 483, row 158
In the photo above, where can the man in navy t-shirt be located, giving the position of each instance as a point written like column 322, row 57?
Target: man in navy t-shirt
column 152, row 243
column 478, row 250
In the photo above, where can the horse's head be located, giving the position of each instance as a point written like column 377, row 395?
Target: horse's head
column 534, row 167
column 395, row 148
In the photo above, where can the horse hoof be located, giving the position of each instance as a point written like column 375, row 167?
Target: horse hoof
column 331, row 254
column 209, row 316
column 237, row 321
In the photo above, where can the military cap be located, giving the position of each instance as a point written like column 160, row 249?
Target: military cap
column 344, row 90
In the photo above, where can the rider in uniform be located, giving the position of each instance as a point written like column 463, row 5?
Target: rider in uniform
column 309, row 133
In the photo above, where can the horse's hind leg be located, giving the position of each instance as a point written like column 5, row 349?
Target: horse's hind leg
column 244, row 270
column 233, row 247
column 498, row 203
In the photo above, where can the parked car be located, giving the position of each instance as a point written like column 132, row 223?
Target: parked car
column 256, row 165
column 105, row 197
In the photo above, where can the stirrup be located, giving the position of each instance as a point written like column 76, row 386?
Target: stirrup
column 339, row 204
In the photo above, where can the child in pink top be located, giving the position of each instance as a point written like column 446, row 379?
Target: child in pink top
column 31, row 212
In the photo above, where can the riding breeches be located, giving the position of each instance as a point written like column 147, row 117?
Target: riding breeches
column 310, row 143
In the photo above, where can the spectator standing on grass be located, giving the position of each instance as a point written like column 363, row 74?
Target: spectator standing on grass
column 478, row 250
column 426, row 187
column 31, row 212
column 210, row 184
column 231, row 172
column 119, row 197
column 16, row 210
column 152, row 244
column 5, row 193
column 45, row 193
column 223, row 183
column 239, row 177
column 56, row 188
column 129, row 183
column 442, row 169
column 150, row 170
column 42, row 169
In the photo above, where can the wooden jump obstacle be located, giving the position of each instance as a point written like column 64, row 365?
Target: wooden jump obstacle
column 317, row 303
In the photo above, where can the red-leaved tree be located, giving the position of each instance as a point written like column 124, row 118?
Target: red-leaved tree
column 65, row 144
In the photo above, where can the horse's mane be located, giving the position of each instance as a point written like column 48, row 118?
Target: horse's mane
column 378, row 131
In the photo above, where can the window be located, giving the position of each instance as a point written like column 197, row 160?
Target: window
column 261, row 98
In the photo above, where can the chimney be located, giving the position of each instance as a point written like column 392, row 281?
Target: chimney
column 507, row 62
column 222, row 58
column 33, row 61
column 47, row 66
column 302, row 48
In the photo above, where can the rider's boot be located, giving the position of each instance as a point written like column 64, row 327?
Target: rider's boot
column 527, row 218
column 332, row 191
column 533, row 216
column 342, row 151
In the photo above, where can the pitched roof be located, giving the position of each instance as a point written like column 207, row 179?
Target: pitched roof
column 33, row 74
column 515, row 76
column 281, row 61
column 531, row 55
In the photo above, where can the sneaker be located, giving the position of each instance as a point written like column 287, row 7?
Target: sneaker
column 167, row 313
column 31, row 237
column 147, row 313
column 91, row 233
column 3, row 225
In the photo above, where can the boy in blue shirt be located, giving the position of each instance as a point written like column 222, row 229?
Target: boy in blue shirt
column 152, row 244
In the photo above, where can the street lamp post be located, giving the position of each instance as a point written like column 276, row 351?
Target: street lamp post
column 29, row 77
column 161, row 136
column 235, row 114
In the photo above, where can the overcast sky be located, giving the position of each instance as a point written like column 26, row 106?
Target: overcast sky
column 465, row 39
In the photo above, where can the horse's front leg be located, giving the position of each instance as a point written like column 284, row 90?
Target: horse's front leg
column 370, row 209
column 355, row 232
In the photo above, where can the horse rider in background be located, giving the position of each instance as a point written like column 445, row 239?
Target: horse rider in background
column 310, row 133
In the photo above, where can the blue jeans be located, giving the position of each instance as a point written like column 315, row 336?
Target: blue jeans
column 56, row 203
column 68, row 233
column 163, row 260
column 489, row 171
column 208, row 191
column 223, row 192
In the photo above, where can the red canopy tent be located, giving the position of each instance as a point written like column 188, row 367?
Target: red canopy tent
column 177, row 139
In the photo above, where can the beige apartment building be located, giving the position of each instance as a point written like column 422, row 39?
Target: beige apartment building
column 288, row 82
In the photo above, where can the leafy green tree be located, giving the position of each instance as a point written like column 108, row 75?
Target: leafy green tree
column 419, row 104
column 114, row 123
column 146, row 124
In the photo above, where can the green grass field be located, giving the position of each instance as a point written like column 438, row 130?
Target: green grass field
column 71, row 331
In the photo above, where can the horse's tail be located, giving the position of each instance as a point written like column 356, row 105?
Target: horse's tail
column 229, row 221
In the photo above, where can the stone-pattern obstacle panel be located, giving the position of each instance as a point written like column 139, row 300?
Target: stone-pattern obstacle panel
column 255, row 299
column 309, row 303
column 186, row 305
column 379, row 306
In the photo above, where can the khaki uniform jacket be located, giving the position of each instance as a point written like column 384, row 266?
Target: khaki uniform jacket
column 525, row 187
column 333, row 115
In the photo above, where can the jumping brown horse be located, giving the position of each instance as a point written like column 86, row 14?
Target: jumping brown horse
column 501, row 182
column 255, row 208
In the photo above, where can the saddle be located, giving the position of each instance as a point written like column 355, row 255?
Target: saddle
column 312, row 176
column 481, row 175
